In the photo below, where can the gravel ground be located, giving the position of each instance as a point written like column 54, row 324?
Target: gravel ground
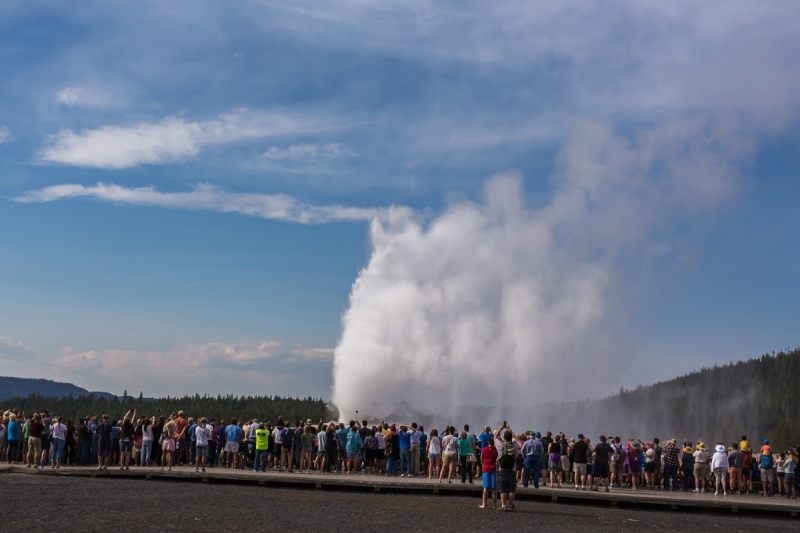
column 52, row 503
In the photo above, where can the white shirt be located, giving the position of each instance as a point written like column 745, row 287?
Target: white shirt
column 720, row 460
column 147, row 433
column 436, row 445
column 201, row 435
column 450, row 444
column 276, row 434
column 59, row 431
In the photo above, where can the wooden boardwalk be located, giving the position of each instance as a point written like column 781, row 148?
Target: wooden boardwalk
column 657, row 499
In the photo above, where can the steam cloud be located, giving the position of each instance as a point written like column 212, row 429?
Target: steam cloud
column 497, row 304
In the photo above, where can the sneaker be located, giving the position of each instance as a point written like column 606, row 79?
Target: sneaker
column 203, row 470
column 197, row 470
column 696, row 491
column 716, row 493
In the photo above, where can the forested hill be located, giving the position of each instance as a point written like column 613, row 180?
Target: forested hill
column 14, row 387
column 759, row 398
column 213, row 407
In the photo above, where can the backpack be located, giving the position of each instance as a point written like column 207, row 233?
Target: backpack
column 508, row 457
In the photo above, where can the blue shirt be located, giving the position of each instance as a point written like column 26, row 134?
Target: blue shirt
column 193, row 437
column 415, row 437
column 13, row 430
column 484, row 439
column 533, row 448
column 232, row 433
column 405, row 440
column 422, row 440
column 341, row 436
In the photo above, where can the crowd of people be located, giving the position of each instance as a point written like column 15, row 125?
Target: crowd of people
column 500, row 458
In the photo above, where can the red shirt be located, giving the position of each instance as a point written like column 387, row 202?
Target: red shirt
column 489, row 459
column 180, row 425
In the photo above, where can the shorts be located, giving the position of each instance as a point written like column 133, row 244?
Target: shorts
column 46, row 443
column 449, row 459
column 231, row 447
column 554, row 466
column 125, row 446
column 307, row 449
column 201, row 452
column 353, row 456
column 490, row 480
column 434, row 456
column 767, row 475
column 616, row 467
column 34, row 444
column 276, row 451
column 565, row 463
column 342, row 454
column 103, row 449
column 579, row 468
column 380, row 455
column 780, row 474
column 506, row 481
column 320, row 454
column 601, row 470
column 650, row 467
column 115, row 445
column 720, row 473
column 700, row 471
column 168, row 445
column 747, row 473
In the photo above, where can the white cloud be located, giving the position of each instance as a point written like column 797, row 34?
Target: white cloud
column 14, row 344
column 207, row 197
column 5, row 134
column 300, row 152
column 262, row 366
column 89, row 98
column 171, row 139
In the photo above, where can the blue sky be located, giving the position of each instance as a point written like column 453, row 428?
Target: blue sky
column 243, row 150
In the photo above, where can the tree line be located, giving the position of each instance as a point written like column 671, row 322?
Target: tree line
column 213, row 407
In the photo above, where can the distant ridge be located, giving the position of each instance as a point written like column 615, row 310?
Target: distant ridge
column 21, row 387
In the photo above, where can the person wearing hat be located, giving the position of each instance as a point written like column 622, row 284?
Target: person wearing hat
column 202, row 434
column 670, row 459
column 700, row 468
column 633, row 459
column 765, row 466
column 719, row 464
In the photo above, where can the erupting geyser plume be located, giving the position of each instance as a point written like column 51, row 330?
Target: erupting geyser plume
column 494, row 303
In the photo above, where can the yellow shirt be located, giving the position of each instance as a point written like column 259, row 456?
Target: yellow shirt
column 262, row 439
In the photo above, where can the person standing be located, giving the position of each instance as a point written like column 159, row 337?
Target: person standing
column 233, row 437
column 126, row 439
column 355, row 447
column 602, row 454
column 405, row 451
column 168, row 444
column 449, row 454
column 59, row 432
column 700, row 460
column 765, row 464
column 434, row 452
column 262, row 448
column 657, row 457
column 103, row 433
column 489, row 473
column 735, row 463
column 670, row 459
column 580, row 455
column 532, row 453
column 181, row 442
column 789, row 467
column 416, row 434
column 202, row 434
column 147, row 442
column 465, row 449
column 719, row 463
column 506, row 465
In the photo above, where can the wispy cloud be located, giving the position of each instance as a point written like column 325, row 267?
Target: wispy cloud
column 210, row 198
column 208, row 367
column 300, row 152
column 170, row 140
column 5, row 134
column 88, row 97
column 15, row 345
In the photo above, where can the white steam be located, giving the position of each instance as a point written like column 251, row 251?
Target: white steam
column 497, row 304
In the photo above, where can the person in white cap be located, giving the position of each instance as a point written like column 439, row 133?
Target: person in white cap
column 719, row 463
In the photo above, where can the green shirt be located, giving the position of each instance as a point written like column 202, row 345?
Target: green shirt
column 262, row 439
column 465, row 447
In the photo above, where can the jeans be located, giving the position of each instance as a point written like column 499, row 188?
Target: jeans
column 789, row 484
column 531, row 467
column 56, row 449
column 466, row 468
column 13, row 450
column 670, row 476
column 391, row 466
column 84, row 447
column 261, row 460
column 147, row 452
column 405, row 461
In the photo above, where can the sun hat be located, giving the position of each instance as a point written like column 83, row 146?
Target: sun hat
column 636, row 444
column 720, row 448
column 701, row 446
